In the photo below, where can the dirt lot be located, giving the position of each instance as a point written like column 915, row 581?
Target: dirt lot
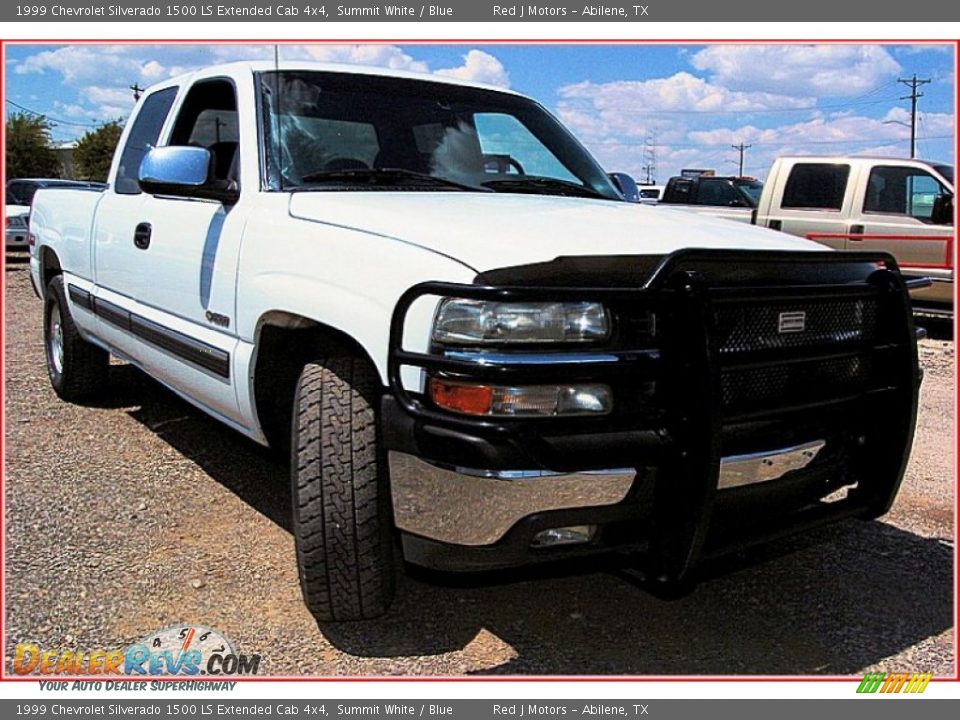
column 138, row 513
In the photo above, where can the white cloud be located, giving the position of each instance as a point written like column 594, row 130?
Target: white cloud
column 108, row 95
column 918, row 48
column 712, row 148
column 388, row 56
column 823, row 70
column 83, row 63
column 633, row 107
column 479, row 66
column 72, row 110
column 854, row 129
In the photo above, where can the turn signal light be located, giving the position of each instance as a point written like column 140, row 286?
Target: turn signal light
column 467, row 399
column 523, row 401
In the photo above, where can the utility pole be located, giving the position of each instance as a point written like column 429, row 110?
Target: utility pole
column 913, row 83
column 650, row 158
column 136, row 91
column 741, row 148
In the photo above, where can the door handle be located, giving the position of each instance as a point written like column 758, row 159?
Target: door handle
column 141, row 236
column 775, row 224
column 856, row 230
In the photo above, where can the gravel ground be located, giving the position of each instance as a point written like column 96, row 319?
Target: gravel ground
column 139, row 512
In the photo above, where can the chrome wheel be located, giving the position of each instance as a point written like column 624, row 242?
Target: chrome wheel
column 55, row 338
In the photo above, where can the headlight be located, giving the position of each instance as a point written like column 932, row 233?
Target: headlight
column 474, row 322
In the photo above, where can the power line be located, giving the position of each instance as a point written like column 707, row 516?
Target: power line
column 51, row 118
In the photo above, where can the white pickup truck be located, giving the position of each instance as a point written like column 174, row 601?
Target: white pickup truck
column 900, row 206
column 435, row 298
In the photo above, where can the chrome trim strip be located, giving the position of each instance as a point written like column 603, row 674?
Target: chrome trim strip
column 454, row 507
column 740, row 470
column 524, row 474
column 492, row 358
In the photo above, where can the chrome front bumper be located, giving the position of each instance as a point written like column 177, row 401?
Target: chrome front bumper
column 462, row 508
column 466, row 507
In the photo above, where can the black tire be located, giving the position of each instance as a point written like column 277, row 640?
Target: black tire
column 341, row 507
column 77, row 369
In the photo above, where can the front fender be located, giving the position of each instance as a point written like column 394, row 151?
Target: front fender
column 347, row 280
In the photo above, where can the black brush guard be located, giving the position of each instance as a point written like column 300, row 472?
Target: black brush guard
column 715, row 378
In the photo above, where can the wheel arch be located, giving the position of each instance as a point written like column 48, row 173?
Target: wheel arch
column 50, row 267
column 284, row 342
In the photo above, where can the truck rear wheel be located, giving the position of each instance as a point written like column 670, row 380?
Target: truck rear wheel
column 341, row 509
column 77, row 369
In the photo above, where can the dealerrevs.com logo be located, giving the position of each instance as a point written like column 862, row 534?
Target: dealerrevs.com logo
column 894, row 682
column 181, row 650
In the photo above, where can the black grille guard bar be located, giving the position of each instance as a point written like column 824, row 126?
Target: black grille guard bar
column 686, row 286
column 662, row 283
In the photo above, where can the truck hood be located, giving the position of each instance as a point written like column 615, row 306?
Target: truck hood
column 486, row 231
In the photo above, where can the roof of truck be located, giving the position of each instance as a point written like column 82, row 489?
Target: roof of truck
column 858, row 158
column 252, row 66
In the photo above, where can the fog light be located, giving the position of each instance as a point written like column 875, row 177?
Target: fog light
column 571, row 535
column 529, row 401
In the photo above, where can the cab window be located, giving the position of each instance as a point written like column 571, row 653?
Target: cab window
column 902, row 191
column 718, row 192
column 816, row 186
column 208, row 119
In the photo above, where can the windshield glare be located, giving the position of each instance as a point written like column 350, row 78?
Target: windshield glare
column 329, row 131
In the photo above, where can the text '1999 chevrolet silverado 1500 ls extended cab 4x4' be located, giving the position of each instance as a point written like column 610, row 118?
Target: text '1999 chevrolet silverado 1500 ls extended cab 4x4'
column 436, row 299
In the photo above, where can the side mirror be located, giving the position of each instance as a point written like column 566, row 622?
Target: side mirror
column 184, row 171
column 626, row 185
column 942, row 210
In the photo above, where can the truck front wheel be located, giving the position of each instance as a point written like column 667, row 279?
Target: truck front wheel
column 341, row 508
column 77, row 369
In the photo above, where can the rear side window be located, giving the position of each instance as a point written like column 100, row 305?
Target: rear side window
column 143, row 136
column 718, row 192
column 816, row 186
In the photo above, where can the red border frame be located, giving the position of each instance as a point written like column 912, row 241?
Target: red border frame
column 4, row 678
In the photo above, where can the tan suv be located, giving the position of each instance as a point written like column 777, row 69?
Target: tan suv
column 867, row 203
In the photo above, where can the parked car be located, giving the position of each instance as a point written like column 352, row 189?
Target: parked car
column 904, row 207
column 650, row 194
column 431, row 296
column 19, row 194
column 16, row 219
column 731, row 198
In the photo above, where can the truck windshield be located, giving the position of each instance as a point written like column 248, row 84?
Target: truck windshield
column 329, row 131
column 752, row 189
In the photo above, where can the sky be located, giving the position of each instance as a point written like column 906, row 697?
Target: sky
column 688, row 103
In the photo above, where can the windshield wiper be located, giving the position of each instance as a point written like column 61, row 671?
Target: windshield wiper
column 547, row 186
column 386, row 177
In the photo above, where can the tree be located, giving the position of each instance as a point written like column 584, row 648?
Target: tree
column 94, row 151
column 30, row 151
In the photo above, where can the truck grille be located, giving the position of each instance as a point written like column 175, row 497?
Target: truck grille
column 795, row 383
column 744, row 328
